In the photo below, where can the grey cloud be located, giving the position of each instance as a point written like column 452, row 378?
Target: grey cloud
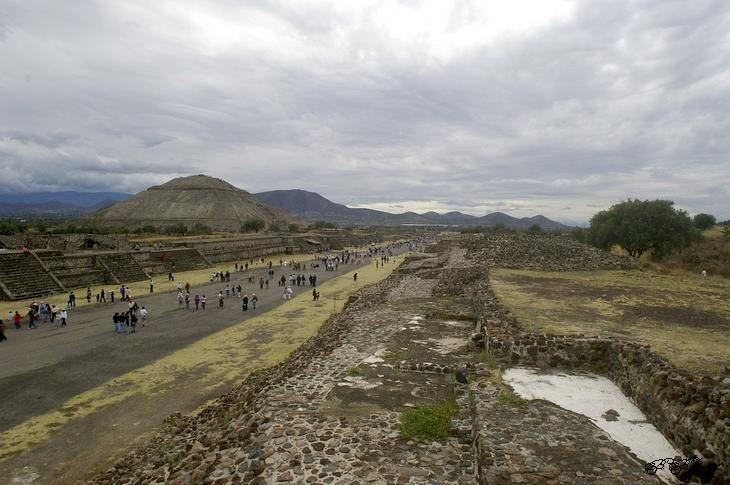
column 622, row 99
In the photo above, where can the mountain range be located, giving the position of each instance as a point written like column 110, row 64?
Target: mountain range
column 310, row 206
column 306, row 205
column 55, row 204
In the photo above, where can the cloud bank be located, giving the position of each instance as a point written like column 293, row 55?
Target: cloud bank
column 554, row 106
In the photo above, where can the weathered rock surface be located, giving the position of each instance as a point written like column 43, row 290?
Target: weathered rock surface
column 542, row 252
column 331, row 413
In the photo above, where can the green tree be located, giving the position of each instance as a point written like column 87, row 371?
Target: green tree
column 323, row 225
column 293, row 227
column 640, row 226
column 535, row 229
column 704, row 221
column 199, row 229
column 176, row 229
column 253, row 225
column 579, row 234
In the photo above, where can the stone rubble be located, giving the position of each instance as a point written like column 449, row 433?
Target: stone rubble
column 331, row 413
column 545, row 252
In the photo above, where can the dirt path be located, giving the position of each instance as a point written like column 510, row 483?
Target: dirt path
column 75, row 398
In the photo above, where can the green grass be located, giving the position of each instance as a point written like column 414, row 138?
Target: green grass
column 396, row 355
column 488, row 359
column 428, row 423
column 355, row 372
column 509, row 399
column 599, row 368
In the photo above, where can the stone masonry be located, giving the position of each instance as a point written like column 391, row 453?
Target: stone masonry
column 332, row 412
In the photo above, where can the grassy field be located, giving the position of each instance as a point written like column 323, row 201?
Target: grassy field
column 141, row 288
column 686, row 319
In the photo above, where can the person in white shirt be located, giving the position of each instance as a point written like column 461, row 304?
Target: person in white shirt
column 143, row 313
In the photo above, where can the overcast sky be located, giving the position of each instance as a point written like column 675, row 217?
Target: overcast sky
column 557, row 107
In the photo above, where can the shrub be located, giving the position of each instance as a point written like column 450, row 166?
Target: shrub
column 253, row 225
column 704, row 221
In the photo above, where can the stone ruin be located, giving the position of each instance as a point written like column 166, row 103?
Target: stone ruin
column 547, row 252
column 330, row 413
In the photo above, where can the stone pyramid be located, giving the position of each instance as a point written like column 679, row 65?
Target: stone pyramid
column 190, row 200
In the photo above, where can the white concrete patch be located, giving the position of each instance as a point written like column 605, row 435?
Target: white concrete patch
column 359, row 383
column 592, row 396
column 26, row 475
column 456, row 323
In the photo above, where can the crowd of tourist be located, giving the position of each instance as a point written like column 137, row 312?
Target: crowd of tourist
column 134, row 315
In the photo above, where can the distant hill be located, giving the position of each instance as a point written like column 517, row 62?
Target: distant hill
column 190, row 200
column 311, row 206
column 55, row 204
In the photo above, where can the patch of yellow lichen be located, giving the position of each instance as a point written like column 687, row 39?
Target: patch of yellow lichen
column 685, row 319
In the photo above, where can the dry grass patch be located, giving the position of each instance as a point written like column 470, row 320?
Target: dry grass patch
column 685, row 319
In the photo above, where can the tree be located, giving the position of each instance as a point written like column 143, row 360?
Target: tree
column 579, row 234
column 199, row 229
column 293, row 227
column 179, row 228
column 535, row 229
column 641, row 226
column 253, row 225
column 323, row 225
column 704, row 221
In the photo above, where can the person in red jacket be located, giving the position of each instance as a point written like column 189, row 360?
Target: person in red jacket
column 17, row 319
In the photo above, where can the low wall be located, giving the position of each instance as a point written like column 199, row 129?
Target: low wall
column 229, row 249
column 693, row 412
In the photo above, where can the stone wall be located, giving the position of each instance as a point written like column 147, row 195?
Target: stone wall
column 546, row 252
column 190, row 448
column 74, row 270
column 692, row 411
column 228, row 249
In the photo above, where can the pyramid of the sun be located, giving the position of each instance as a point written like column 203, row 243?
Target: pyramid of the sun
column 190, row 200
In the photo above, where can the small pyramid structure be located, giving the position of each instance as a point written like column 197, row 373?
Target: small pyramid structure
column 190, row 200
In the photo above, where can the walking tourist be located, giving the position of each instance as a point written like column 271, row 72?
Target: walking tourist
column 143, row 313
column 244, row 303
column 64, row 316
column 254, row 299
column 152, row 286
column 220, row 299
column 202, row 302
column 2, row 332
